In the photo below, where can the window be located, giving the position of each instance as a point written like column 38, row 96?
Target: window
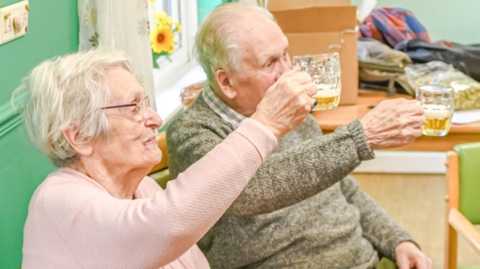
column 180, row 69
column 171, row 67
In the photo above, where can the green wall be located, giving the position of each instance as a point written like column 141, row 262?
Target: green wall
column 452, row 20
column 52, row 30
column 205, row 6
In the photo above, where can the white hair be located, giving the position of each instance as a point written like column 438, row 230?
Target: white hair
column 216, row 42
column 66, row 92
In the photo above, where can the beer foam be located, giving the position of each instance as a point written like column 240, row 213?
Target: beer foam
column 327, row 93
column 433, row 88
column 437, row 112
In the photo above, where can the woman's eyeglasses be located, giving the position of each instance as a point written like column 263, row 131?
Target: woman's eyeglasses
column 142, row 105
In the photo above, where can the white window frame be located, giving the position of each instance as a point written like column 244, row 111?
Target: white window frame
column 173, row 67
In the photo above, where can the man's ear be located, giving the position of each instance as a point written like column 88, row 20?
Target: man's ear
column 223, row 80
column 82, row 147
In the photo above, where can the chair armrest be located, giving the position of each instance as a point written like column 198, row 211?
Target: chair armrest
column 465, row 228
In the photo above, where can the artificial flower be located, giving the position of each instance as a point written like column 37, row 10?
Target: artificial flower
column 171, row 48
column 177, row 26
column 162, row 39
column 161, row 17
column 90, row 17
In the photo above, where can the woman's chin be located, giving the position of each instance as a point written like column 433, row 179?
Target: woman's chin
column 155, row 156
column 150, row 156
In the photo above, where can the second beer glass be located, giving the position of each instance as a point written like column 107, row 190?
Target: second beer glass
column 438, row 103
column 325, row 72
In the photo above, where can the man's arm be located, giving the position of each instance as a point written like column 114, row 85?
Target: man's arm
column 284, row 178
column 378, row 227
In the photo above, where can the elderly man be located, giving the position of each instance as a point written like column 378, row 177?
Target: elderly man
column 301, row 209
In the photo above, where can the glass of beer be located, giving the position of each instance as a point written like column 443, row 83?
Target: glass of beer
column 438, row 103
column 325, row 72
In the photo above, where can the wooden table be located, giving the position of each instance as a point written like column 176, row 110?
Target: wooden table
column 329, row 120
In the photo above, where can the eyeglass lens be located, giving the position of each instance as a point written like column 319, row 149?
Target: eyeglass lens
column 145, row 103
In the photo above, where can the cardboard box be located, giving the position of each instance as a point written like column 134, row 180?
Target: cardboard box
column 311, row 26
column 274, row 5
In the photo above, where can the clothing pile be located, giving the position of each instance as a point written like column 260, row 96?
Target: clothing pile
column 395, row 54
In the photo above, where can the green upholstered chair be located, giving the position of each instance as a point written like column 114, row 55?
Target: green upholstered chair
column 161, row 177
column 160, row 171
column 463, row 200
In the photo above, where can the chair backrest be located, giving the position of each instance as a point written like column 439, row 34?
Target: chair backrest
column 162, row 144
column 160, row 172
column 469, row 177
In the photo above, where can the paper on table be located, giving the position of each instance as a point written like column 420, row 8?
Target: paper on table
column 366, row 8
column 466, row 116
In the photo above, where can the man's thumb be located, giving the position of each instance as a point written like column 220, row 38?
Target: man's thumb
column 403, row 263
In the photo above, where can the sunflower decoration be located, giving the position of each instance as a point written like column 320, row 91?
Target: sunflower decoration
column 162, row 39
column 162, row 35
column 162, row 18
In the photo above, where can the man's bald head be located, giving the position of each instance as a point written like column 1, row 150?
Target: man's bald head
column 220, row 38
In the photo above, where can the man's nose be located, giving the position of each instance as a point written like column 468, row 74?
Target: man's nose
column 152, row 119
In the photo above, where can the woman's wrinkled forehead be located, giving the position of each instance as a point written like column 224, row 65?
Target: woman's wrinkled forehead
column 123, row 86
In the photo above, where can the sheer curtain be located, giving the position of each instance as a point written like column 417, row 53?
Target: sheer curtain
column 121, row 24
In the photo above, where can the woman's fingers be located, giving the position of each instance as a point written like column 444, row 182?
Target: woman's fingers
column 403, row 262
column 310, row 88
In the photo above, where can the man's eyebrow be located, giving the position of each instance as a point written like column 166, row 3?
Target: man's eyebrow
column 273, row 56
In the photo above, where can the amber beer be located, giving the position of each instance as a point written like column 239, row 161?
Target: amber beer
column 438, row 104
column 326, row 74
column 438, row 120
column 327, row 99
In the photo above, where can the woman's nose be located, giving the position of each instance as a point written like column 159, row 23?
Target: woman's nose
column 152, row 119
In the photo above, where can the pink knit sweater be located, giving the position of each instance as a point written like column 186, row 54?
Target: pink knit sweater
column 73, row 222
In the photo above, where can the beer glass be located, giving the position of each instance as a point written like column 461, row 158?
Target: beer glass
column 325, row 72
column 438, row 103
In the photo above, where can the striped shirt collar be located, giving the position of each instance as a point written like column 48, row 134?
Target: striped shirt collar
column 220, row 108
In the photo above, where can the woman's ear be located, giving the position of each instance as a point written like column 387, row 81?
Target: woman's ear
column 223, row 80
column 82, row 147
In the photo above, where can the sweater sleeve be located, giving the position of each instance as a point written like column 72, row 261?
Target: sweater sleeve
column 285, row 178
column 378, row 227
column 150, row 233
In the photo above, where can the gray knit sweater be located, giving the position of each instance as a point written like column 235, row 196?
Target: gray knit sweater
column 301, row 209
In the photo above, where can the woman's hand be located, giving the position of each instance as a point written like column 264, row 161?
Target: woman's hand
column 408, row 256
column 286, row 103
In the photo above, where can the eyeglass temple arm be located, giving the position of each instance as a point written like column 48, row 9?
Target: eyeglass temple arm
column 107, row 107
column 135, row 104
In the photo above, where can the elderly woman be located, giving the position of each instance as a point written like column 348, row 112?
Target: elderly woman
column 90, row 117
